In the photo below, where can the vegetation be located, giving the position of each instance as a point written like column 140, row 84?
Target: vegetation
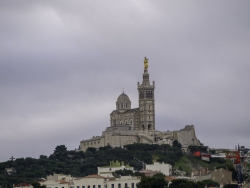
column 211, row 183
column 125, row 172
column 182, row 183
column 157, row 181
column 78, row 163
column 230, row 186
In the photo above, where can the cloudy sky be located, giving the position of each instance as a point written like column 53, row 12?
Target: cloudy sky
column 64, row 63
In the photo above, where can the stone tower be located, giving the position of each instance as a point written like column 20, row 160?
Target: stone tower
column 146, row 101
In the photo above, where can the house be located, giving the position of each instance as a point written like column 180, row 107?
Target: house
column 218, row 175
column 22, row 185
column 165, row 169
column 107, row 171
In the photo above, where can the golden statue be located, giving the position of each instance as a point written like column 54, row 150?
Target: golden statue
column 145, row 63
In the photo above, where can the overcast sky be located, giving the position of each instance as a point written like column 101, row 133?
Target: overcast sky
column 64, row 63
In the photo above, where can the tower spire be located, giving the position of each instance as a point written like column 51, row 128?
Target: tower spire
column 146, row 101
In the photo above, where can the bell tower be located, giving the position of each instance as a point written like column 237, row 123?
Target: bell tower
column 146, row 101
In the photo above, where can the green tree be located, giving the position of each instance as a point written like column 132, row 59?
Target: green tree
column 176, row 144
column 38, row 185
column 211, row 183
column 230, row 186
column 60, row 152
column 152, row 182
column 181, row 183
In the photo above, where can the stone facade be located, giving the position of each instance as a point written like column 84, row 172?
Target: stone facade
column 128, row 126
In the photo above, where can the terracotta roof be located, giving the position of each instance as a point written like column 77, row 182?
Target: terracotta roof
column 63, row 182
column 22, row 185
column 169, row 178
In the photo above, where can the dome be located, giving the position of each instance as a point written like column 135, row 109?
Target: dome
column 123, row 97
column 123, row 102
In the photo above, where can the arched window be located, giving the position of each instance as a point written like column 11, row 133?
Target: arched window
column 149, row 127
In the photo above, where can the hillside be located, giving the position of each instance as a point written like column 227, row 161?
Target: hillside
column 78, row 163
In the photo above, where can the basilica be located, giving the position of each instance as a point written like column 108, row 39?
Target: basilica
column 137, row 125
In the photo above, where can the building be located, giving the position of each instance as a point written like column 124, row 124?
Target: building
column 57, row 177
column 218, row 175
column 10, row 171
column 93, row 181
column 122, row 182
column 22, row 185
column 137, row 125
column 106, row 171
column 163, row 168
column 149, row 173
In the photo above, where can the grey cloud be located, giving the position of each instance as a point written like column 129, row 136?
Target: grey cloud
column 63, row 65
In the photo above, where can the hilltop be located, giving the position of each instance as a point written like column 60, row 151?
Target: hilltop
column 79, row 163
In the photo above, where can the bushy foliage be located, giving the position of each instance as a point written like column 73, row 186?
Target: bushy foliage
column 230, row 186
column 126, row 172
column 182, row 183
column 157, row 181
column 197, row 148
column 211, row 183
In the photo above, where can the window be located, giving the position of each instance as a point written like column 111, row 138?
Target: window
column 98, row 142
column 112, row 186
column 126, row 105
column 126, row 185
column 132, row 185
column 99, row 186
column 93, row 186
column 149, row 107
column 119, row 185
column 141, row 95
column 78, row 186
column 88, row 186
column 149, row 94
column 83, row 186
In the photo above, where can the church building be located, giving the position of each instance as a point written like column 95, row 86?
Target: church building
column 137, row 125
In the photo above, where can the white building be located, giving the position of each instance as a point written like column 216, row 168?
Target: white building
column 122, row 182
column 92, row 181
column 107, row 171
column 57, row 177
column 166, row 169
